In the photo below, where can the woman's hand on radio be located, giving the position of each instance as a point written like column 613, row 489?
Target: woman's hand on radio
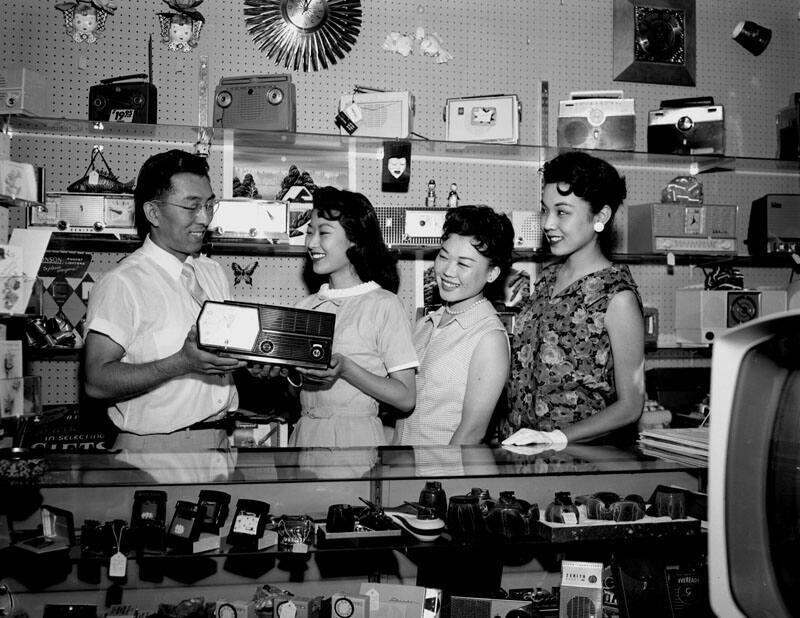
column 326, row 377
column 264, row 370
column 197, row 360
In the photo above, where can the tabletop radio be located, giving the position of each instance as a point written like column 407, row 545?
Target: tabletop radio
column 597, row 120
column 107, row 213
column 250, row 219
column 701, row 315
column 267, row 333
column 411, row 226
column 774, row 225
column 23, row 91
column 660, row 227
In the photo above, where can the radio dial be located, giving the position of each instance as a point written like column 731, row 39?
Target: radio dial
column 685, row 123
column 317, row 351
column 99, row 226
column 253, row 232
column 267, row 347
column 274, row 96
column 99, row 103
column 62, row 225
column 224, row 99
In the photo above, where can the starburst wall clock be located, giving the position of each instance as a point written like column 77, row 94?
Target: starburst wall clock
column 304, row 34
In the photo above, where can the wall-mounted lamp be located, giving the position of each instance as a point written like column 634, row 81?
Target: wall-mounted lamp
column 751, row 36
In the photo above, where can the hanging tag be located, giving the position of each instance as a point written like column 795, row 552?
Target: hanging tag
column 299, row 548
column 117, row 565
column 94, row 177
column 353, row 111
column 374, row 600
column 288, row 610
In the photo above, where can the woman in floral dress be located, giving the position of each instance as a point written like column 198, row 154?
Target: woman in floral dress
column 577, row 359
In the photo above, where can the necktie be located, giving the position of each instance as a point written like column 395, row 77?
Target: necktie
column 189, row 279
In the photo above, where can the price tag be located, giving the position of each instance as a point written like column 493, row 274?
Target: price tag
column 570, row 518
column 299, row 548
column 118, row 565
column 94, row 177
column 374, row 600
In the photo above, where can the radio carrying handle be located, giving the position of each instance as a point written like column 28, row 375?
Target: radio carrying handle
column 688, row 102
column 111, row 80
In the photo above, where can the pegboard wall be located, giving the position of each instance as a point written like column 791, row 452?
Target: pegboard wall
column 503, row 47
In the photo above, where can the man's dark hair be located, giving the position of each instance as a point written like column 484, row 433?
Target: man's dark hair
column 155, row 179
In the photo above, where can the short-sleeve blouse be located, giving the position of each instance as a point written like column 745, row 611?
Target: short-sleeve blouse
column 562, row 368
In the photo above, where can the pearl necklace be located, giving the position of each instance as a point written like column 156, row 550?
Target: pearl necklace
column 460, row 311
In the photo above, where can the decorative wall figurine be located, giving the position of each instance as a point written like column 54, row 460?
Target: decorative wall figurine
column 426, row 44
column 180, row 28
column 85, row 18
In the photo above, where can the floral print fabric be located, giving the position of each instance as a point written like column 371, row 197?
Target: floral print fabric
column 562, row 368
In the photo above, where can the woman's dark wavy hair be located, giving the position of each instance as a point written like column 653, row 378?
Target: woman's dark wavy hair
column 369, row 254
column 493, row 237
column 591, row 179
column 155, row 179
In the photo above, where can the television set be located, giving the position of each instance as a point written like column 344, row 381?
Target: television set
column 754, row 470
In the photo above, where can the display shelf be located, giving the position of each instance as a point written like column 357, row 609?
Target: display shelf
column 265, row 141
column 65, row 241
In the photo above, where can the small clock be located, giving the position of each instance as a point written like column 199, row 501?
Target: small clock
column 249, row 523
column 343, row 607
column 120, row 212
column 304, row 33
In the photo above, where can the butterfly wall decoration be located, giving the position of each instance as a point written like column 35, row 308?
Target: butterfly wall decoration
column 243, row 274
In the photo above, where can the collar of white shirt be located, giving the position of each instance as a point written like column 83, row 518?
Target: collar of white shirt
column 164, row 259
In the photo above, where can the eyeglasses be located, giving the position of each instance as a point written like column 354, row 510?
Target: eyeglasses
column 209, row 208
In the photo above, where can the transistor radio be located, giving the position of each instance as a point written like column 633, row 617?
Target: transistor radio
column 693, row 126
column 264, row 102
column 378, row 114
column 266, row 333
column 107, row 213
column 483, row 119
column 597, row 120
column 774, row 225
column 661, row 227
column 250, row 219
column 135, row 101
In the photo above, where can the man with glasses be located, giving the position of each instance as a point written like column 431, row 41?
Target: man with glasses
column 141, row 349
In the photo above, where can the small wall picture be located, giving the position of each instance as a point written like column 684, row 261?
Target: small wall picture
column 396, row 173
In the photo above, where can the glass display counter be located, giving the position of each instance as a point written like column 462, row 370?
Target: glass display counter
column 101, row 488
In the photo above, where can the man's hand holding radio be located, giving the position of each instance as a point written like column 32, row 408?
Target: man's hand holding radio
column 200, row 361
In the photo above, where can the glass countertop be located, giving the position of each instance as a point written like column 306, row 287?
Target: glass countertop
column 291, row 465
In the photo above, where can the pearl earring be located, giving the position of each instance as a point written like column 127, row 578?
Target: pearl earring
column 599, row 226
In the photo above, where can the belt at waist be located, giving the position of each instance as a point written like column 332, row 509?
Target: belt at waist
column 320, row 413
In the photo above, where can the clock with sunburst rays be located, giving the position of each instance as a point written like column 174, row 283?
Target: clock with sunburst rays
column 304, row 34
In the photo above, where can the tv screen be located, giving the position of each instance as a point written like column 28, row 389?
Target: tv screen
column 754, row 469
